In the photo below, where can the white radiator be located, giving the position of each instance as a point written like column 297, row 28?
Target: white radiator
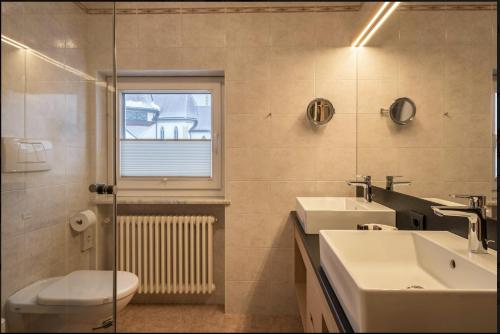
column 169, row 254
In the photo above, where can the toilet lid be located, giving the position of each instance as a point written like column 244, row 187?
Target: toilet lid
column 88, row 287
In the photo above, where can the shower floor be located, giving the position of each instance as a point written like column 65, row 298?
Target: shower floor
column 199, row 318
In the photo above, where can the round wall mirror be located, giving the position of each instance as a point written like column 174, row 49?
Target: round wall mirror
column 320, row 111
column 402, row 111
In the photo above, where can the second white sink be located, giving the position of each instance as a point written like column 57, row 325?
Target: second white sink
column 402, row 281
column 340, row 213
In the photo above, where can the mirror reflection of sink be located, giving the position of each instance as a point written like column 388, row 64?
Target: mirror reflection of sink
column 410, row 281
column 340, row 213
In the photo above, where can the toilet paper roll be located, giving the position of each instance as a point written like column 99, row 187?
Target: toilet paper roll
column 81, row 221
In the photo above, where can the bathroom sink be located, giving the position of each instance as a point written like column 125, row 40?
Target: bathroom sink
column 410, row 281
column 340, row 213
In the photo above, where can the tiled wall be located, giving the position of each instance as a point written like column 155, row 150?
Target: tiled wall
column 274, row 65
column 42, row 101
column 443, row 61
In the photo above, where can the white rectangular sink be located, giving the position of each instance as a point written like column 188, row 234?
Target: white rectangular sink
column 340, row 213
column 402, row 281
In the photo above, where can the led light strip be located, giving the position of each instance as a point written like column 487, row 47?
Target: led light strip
column 370, row 29
column 48, row 59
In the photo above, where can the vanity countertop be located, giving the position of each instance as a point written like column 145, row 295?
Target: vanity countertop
column 311, row 245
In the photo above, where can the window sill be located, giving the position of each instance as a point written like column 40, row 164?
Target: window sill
column 107, row 200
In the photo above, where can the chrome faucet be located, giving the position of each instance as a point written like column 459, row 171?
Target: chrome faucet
column 475, row 212
column 390, row 183
column 366, row 184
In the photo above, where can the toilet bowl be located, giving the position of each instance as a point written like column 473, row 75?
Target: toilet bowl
column 80, row 301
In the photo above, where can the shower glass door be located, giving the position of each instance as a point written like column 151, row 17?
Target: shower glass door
column 57, row 251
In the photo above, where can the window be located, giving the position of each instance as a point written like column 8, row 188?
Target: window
column 169, row 135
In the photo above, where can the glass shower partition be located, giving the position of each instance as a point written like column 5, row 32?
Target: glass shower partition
column 56, row 57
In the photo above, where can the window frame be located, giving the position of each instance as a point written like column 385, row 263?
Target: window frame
column 170, row 185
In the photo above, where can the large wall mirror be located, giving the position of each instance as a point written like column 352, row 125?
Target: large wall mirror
column 443, row 58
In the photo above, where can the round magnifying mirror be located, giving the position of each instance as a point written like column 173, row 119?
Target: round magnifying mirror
column 320, row 111
column 403, row 110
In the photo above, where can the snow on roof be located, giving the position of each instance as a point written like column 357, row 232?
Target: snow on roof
column 141, row 105
column 175, row 106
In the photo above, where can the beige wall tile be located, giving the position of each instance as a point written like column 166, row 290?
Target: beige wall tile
column 43, row 253
column 256, row 266
column 375, row 131
column 424, row 131
column 378, row 63
column 248, row 297
column 289, row 97
column 250, row 163
column 335, row 63
column 159, row 58
column 335, row 28
column 13, row 21
column 250, row 30
column 39, row 70
column 260, row 230
column 475, row 126
column 46, row 110
column 335, row 164
column 378, row 162
column 126, row 58
column 127, row 31
column 422, row 28
column 291, row 63
column 340, row 132
column 250, row 197
column 341, row 93
column 13, row 205
column 421, row 164
column 292, row 29
column 247, row 64
column 376, row 94
column 472, row 28
column 212, row 58
column 291, row 164
column 335, row 188
column 249, row 131
column 292, row 131
column 13, row 266
column 44, row 30
column 203, row 30
column 159, row 31
column 283, row 194
column 247, row 97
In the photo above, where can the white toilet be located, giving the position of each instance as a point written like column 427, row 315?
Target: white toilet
column 80, row 301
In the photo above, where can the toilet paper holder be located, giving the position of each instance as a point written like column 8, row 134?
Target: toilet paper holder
column 83, row 223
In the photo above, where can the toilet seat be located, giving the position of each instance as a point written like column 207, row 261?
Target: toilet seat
column 87, row 288
column 79, row 291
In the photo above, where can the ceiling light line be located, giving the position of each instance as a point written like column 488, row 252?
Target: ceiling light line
column 379, row 23
column 371, row 23
column 46, row 58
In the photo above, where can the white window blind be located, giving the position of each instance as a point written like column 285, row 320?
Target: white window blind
column 166, row 158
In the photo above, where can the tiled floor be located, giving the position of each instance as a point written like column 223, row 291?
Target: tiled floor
column 199, row 318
